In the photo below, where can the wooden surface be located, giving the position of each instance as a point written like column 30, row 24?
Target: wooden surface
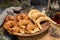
column 44, row 36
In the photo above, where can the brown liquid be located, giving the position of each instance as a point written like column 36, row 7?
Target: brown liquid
column 56, row 17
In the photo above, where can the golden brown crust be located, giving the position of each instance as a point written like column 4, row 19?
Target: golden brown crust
column 19, row 24
column 22, row 23
column 36, row 16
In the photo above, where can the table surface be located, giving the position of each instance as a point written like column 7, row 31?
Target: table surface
column 44, row 36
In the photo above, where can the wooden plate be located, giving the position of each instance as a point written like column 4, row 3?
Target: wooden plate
column 45, row 26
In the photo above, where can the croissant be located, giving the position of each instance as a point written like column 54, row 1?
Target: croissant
column 36, row 16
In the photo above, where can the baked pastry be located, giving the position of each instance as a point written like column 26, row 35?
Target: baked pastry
column 20, row 24
column 36, row 16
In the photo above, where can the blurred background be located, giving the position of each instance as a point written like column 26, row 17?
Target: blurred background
column 25, row 3
column 8, row 3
